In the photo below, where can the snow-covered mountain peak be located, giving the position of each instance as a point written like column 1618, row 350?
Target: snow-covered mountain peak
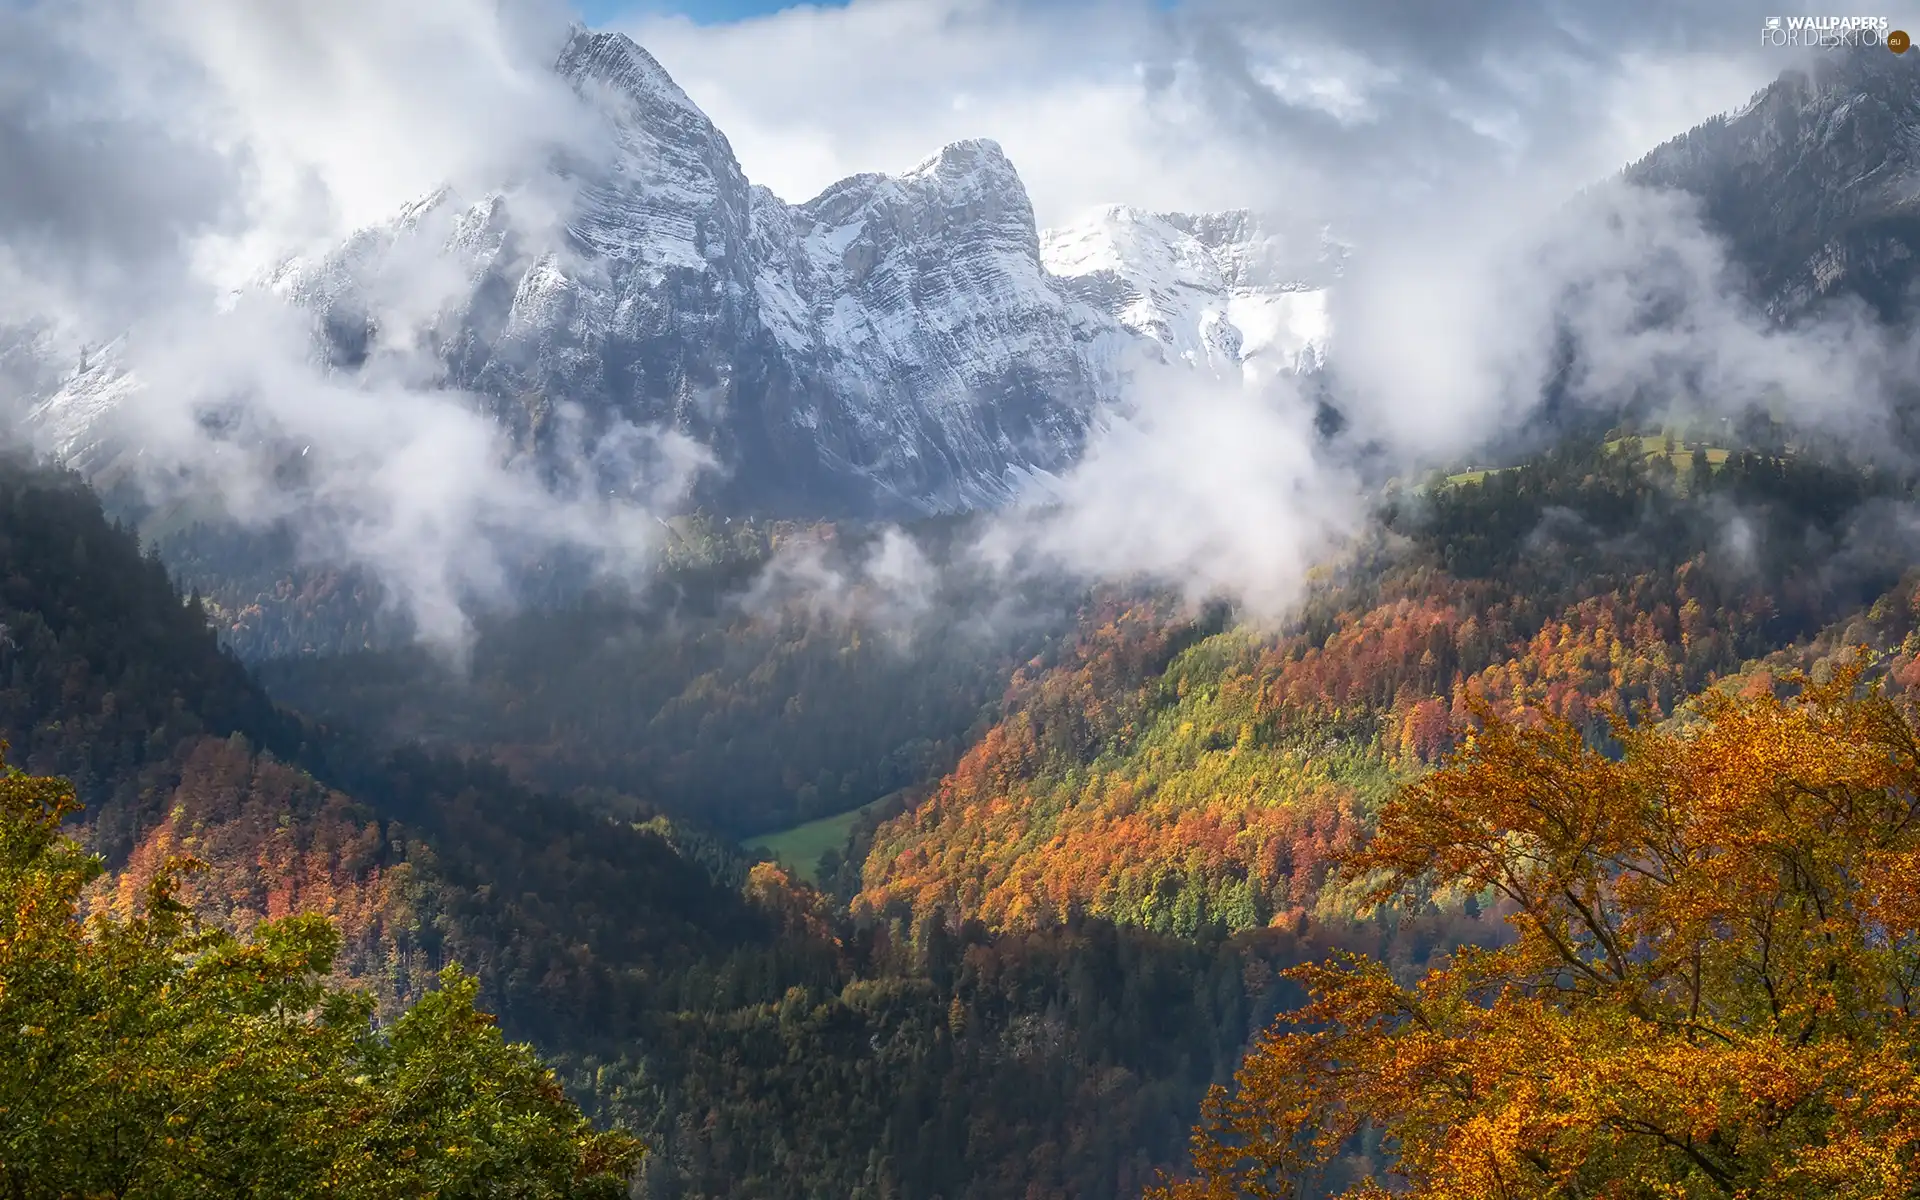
column 617, row 63
column 922, row 295
column 964, row 183
column 1219, row 291
column 1147, row 248
column 979, row 161
column 897, row 344
column 670, row 192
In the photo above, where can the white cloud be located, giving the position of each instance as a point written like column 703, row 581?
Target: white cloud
column 345, row 109
column 1072, row 91
column 1202, row 487
column 414, row 483
column 1306, row 109
column 1449, row 331
column 182, row 147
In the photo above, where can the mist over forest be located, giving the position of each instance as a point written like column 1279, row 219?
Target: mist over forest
column 937, row 598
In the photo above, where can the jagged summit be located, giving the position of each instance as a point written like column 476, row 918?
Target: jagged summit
column 891, row 346
column 1815, row 183
column 1220, row 291
column 969, row 155
column 896, row 345
column 616, row 61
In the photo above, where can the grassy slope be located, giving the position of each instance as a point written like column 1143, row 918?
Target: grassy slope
column 799, row 849
column 1652, row 445
column 1210, row 788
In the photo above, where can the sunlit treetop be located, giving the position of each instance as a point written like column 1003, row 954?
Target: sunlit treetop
column 1710, row 990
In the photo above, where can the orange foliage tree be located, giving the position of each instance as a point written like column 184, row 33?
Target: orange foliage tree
column 1711, row 990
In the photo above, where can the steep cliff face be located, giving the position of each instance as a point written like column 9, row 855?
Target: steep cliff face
column 616, row 285
column 917, row 310
column 892, row 346
column 1815, row 184
column 1222, row 292
column 898, row 345
column 910, row 344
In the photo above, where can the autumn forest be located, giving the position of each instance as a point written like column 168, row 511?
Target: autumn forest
column 1138, row 898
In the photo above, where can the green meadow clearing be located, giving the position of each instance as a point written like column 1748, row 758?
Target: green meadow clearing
column 799, row 849
column 1652, row 445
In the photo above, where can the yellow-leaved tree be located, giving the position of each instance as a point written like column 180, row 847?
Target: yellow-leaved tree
column 1710, row 992
column 152, row 1057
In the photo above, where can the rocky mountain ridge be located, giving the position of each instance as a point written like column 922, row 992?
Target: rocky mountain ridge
column 1226, row 292
column 1814, row 183
column 898, row 345
column 908, row 344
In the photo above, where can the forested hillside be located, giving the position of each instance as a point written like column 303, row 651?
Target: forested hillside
column 710, row 694
column 760, row 1040
column 1025, row 973
column 152, row 1053
column 1182, row 777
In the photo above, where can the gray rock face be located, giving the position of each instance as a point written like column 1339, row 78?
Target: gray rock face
column 892, row 346
column 1223, row 293
column 937, row 355
column 1814, row 183
column 898, row 345
column 910, row 344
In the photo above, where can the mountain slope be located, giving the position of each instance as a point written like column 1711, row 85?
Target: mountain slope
column 1219, row 291
column 1188, row 778
column 104, row 669
column 892, row 346
column 108, row 678
column 1815, row 183
column 898, row 345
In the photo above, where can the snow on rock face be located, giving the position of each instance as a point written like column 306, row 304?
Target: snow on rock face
column 672, row 196
column 1217, row 291
column 891, row 347
column 920, row 304
column 72, row 419
column 898, row 345
column 905, row 344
